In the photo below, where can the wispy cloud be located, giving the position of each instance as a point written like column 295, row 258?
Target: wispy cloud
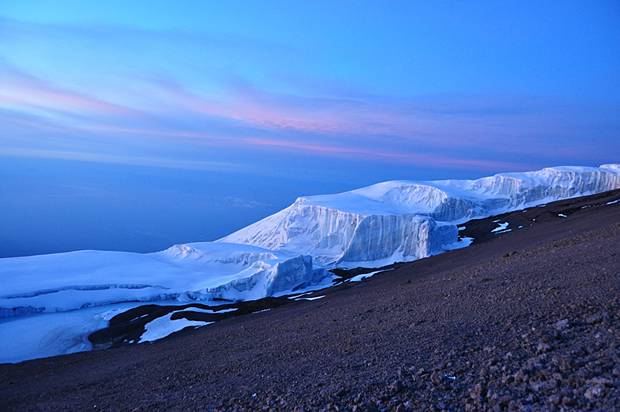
column 410, row 158
column 148, row 100
column 123, row 159
column 23, row 91
column 406, row 134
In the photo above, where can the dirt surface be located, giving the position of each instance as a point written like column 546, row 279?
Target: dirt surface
column 524, row 320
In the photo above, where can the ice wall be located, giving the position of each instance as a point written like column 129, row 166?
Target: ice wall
column 199, row 271
column 407, row 220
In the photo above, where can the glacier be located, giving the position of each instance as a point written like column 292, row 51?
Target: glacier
column 407, row 220
column 184, row 273
column 50, row 303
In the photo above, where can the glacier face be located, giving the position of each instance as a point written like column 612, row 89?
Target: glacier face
column 50, row 303
column 407, row 220
column 197, row 271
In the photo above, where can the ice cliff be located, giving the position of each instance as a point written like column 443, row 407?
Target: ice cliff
column 50, row 303
column 197, row 271
column 407, row 220
column 371, row 226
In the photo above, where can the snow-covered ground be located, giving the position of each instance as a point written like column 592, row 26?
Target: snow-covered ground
column 198, row 271
column 364, row 276
column 164, row 326
column 501, row 228
column 50, row 303
column 50, row 334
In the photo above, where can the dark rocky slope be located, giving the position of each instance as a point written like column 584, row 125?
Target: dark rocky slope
column 528, row 320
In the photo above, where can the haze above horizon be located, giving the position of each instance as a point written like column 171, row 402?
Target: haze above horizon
column 136, row 125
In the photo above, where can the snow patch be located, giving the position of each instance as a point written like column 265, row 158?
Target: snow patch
column 208, row 311
column 311, row 298
column 363, row 276
column 164, row 326
column 501, row 227
column 460, row 244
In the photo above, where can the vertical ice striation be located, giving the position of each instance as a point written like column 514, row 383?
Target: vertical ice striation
column 196, row 271
column 392, row 238
column 371, row 226
column 407, row 220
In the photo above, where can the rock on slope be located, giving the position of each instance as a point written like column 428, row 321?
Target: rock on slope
column 408, row 220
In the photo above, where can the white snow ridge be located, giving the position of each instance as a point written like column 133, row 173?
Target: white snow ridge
column 408, row 220
column 372, row 226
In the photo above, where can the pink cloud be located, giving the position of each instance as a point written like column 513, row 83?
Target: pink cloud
column 22, row 91
column 400, row 157
column 427, row 122
column 282, row 112
column 404, row 131
column 345, row 152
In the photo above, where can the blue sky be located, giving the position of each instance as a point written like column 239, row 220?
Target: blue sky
column 135, row 125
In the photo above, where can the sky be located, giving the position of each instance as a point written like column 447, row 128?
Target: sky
column 137, row 125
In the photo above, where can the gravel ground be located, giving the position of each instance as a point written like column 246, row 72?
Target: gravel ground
column 528, row 320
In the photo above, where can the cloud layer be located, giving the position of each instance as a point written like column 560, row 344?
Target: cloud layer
column 116, row 106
